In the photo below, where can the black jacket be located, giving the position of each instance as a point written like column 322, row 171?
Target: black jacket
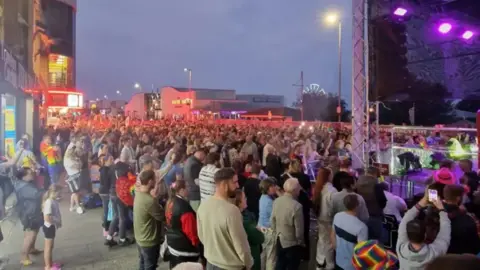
column 176, row 237
column 253, row 194
column 106, row 179
column 464, row 235
column 191, row 171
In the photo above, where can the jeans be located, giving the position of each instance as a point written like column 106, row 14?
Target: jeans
column 6, row 189
column 175, row 260
column 54, row 175
column 268, row 255
column 148, row 257
column 375, row 229
column 120, row 215
column 288, row 258
column 105, row 201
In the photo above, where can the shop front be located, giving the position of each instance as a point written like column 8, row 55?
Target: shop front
column 17, row 108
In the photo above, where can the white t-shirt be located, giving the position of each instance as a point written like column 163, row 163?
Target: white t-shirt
column 51, row 208
column 72, row 163
column 206, row 181
column 394, row 205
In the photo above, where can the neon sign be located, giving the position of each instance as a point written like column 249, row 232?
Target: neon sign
column 185, row 101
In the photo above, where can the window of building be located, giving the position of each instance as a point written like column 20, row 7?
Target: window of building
column 60, row 71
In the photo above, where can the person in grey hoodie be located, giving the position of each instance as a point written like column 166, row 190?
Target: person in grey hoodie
column 412, row 251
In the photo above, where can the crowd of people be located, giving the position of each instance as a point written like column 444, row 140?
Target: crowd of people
column 202, row 195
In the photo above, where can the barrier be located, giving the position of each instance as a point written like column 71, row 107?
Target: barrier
column 457, row 151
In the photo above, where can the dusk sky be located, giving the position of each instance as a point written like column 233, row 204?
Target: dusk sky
column 248, row 45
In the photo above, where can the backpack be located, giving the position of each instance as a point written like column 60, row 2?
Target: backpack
column 92, row 201
column 124, row 186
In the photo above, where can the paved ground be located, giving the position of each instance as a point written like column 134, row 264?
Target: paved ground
column 78, row 245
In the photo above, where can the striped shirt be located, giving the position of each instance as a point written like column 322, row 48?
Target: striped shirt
column 206, row 181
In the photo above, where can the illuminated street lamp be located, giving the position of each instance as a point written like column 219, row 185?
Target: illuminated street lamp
column 105, row 97
column 189, row 71
column 137, row 86
column 333, row 19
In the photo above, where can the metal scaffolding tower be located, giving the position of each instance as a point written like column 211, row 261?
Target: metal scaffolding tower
column 360, row 115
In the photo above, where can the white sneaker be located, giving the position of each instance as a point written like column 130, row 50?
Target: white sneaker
column 72, row 209
column 3, row 263
column 80, row 210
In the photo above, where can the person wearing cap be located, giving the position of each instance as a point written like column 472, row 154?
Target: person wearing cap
column 372, row 255
column 442, row 177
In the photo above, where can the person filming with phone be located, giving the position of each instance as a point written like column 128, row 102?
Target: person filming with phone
column 412, row 249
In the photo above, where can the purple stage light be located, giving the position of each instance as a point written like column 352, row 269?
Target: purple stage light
column 444, row 28
column 467, row 34
column 400, row 11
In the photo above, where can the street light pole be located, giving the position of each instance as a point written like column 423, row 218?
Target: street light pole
column 339, row 108
column 189, row 70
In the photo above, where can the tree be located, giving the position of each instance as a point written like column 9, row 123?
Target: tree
column 431, row 101
column 320, row 106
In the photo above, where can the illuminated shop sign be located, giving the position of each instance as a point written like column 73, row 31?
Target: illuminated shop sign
column 185, row 101
column 63, row 99
column 75, row 101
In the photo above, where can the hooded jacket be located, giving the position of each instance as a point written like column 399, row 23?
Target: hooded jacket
column 409, row 258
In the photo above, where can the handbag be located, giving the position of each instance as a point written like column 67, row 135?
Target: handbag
column 110, row 211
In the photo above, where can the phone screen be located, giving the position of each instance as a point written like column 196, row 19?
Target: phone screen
column 432, row 195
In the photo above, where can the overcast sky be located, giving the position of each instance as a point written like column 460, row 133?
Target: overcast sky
column 251, row 46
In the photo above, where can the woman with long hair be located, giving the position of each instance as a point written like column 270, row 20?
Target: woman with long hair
column 52, row 222
column 182, row 238
column 29, row 201
column 323, row 209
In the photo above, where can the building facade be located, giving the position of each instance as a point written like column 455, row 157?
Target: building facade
column 54, row 56
column 187, row 103
column 106, row 106
column 19, row 115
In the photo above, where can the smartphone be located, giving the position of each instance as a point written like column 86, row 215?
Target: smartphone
column 432, row 195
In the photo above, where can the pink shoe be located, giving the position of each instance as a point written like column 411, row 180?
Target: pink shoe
column 105, row 233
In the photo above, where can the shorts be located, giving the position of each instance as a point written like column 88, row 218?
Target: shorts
column 73, row 182
column 49, row 232
column 32, row 225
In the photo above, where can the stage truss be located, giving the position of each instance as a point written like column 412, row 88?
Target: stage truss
column 360, row 106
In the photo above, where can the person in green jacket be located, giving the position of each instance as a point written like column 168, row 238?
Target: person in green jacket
column 254, row 235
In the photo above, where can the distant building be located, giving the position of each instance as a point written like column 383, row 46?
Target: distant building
column 183, row 102
column 105, row 106
column 263, row 101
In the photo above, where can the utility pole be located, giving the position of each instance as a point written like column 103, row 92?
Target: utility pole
column 301, row 94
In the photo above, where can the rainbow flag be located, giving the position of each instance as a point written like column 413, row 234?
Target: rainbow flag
column 50, row 155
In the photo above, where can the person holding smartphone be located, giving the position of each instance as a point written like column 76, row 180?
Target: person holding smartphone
column 412, row 251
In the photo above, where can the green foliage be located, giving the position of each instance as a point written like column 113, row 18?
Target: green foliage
column 320, row 106
column 432, row 105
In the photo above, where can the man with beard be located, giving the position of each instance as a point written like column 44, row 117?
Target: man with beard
column 220, row 226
